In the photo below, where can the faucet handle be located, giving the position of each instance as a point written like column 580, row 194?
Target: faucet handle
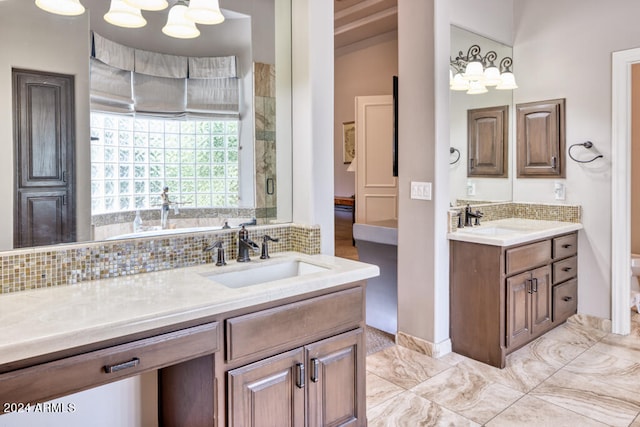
column 220, row 259
column 478, row 215
column 265, row 246
column 216, row 245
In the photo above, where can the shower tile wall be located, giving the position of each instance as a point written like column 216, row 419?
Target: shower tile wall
column 265, row 141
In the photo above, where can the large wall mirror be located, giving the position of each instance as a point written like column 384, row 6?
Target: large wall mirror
column 256, row 32
column 462, row 186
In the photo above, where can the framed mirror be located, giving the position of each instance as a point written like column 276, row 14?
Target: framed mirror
column 256, row 32
column 463, row 187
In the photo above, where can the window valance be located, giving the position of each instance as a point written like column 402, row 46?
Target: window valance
column 125, row 79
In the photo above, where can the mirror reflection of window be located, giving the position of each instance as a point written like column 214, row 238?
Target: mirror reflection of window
column 132, row 159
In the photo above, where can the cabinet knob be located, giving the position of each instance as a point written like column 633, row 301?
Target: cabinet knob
column 567, row 269
column 567, row 299
column 566, row 246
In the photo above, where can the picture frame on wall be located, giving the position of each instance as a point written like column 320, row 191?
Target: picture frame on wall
column 348, row 141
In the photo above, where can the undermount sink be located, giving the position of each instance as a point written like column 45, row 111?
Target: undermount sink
column 265, row 273
column 494, row 231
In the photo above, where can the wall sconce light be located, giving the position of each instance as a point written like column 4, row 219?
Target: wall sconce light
column 474, row 73
column 181, row 22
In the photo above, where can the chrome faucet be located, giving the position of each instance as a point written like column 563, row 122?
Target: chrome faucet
column 468, row 214
column 244, row 244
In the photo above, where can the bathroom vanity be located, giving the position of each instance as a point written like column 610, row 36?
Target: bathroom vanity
column 510, row 282
column 229, row 347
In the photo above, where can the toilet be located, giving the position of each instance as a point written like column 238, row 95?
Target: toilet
column 635, row 285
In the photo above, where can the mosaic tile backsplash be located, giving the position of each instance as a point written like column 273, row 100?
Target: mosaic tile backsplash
column 43, row 267
column 495, row 211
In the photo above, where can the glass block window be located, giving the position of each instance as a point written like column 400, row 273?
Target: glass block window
column 133, row 158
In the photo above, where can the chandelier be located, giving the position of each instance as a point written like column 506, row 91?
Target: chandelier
column 181, row 21
column 474, row 72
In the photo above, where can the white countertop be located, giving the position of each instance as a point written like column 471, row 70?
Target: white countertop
column 38, row 322
column 512, row 231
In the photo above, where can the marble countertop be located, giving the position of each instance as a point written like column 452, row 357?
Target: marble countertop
column 512, row 231
column 43, row 321
column 385, row 232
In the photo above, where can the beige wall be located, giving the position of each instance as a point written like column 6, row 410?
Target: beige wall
column 578, row 69
column 361, row 69
column 635, row 159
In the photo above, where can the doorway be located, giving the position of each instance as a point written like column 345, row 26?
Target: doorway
column 44, row 147
column 621, row 189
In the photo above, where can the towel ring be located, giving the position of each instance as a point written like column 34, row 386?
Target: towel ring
column 454, row 150
column 587, row 145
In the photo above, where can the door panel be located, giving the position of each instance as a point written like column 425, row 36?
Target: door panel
column 541, row 299
column 334, row 365
column 45, row 216
column 518, row 309
column 376, row 187
column 267, row 393
column 488, row 130
column 44, row 141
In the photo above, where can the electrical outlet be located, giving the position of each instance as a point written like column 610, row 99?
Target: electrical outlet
column 559, row 190
column 420, row 190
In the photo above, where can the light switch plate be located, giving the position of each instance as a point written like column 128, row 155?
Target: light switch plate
column 420, row 190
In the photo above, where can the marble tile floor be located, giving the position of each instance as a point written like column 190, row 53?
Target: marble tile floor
column 572, row 376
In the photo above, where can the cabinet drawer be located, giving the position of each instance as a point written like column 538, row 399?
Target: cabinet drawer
column 565, row 300
column 76, row 373
column 565, row 269
column 528, row 256
column 565, row 246
column 291, row 324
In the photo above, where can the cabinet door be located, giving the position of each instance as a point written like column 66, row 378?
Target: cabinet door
column 518, row 309
column 488, row 130
column 268, row 393
column 336, row 386
column 541, row 139
column 541, row 299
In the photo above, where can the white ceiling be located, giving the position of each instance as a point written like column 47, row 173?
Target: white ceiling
column 356, row 20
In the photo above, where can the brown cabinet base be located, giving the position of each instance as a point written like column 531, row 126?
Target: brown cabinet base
column 502, row 298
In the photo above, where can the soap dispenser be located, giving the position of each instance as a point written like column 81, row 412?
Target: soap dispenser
column 137, row 222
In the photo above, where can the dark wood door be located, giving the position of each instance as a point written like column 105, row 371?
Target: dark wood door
column 518, row 309
column 336, row 393
column 541, row 300
column 44, row 142
column 488, row 130
column 268, row 393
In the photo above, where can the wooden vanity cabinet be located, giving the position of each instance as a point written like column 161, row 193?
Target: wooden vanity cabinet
column 501, row 298
column 299, row 362
column 85, row 370
column 295, row 362
column 319, row 382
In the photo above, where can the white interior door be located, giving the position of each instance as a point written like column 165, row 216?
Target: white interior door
column 376, row 187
